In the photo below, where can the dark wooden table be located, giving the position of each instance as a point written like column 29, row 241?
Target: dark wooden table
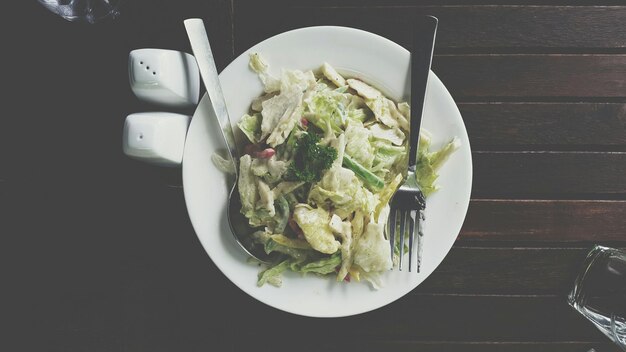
column 102, row 257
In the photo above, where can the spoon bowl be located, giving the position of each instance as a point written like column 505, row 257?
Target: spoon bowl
column 242, row 231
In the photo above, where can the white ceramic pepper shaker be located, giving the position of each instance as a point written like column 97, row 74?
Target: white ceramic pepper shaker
column 166, row 77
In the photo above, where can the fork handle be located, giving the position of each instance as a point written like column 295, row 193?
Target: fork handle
column 424, row 31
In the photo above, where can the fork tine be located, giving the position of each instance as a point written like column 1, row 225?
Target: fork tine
column 411, row 219
column 402, row 234
column 420, row 235
column 392, row 230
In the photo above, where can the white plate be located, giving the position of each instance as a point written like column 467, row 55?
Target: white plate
column 357, row 53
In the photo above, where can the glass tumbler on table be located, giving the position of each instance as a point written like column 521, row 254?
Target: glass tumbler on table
column 90, row 11
column 599, row 292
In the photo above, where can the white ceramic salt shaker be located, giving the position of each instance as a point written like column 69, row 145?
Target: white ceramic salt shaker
column 165, row 77
column 156, row 137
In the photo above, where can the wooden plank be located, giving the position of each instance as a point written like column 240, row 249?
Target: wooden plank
column 532, row 76
column 529, row 26
column 545, row 220
column 486, row 28
column 548, row 175
column 441, row 346
column 545, row 125
column 365, row 344
column 484, row 270
column 427, row 318
column 412, row 3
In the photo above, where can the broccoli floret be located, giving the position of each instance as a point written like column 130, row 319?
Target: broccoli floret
column 311, row 159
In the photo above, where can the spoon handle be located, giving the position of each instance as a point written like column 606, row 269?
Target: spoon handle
column 206, row 64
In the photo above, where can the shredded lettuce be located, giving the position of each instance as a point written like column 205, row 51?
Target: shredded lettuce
column 286, row 187
column 334, row 151
column 258, row 65
column 266, row 199
column 358, row 144
column 387, row 193
column 342, row 191
column 250, row 125
column 371, row 252
column 296, row 80
column 271, row 170
column 327, row 107
column 380, row 108
column 223, row 164
column 272, row 275
column 281, row 217
column 343, row 229
column 428, row 164
column 247, row 187
column 386, row 157
column 322, row 266
column 296, row 243
column 393, row 135
column 299, row 254
column 402, row 120
column 314, row 225
column 280, row 112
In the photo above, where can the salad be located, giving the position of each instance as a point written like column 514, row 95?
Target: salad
column 323, row 157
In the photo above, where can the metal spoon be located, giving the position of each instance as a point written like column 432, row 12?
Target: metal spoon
column 206, row 63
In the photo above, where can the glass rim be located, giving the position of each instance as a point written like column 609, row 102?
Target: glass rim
column 577, row 296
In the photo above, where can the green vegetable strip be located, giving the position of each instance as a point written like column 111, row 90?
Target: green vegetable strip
column 323, row 266
column 282, row 214
column 364, row 174
column 272, row 275
column 273, row 246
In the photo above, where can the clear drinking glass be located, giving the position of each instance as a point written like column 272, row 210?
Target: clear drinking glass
column 83, row 10
column 599, row 292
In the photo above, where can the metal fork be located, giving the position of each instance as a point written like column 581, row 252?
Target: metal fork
column 408, row 203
